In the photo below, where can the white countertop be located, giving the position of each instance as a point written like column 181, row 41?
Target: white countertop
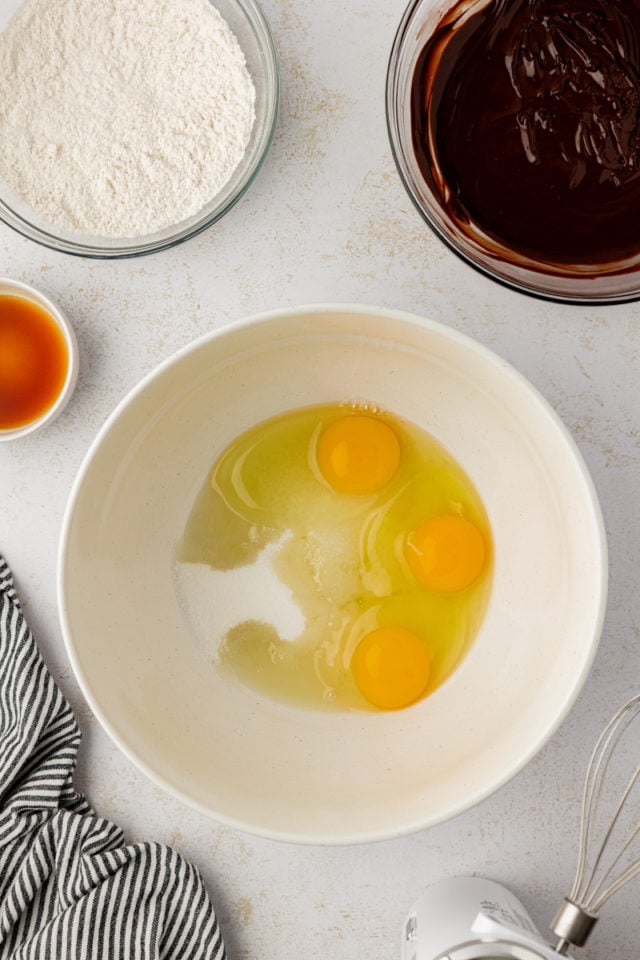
column 328, row 219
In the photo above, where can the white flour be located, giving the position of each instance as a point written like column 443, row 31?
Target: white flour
column 121, row 117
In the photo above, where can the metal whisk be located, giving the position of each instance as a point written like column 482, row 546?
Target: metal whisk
column 605, row 862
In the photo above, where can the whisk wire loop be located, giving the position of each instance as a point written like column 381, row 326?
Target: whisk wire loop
column 595, row 878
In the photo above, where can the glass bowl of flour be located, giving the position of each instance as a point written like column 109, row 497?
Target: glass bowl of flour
column 128, row 127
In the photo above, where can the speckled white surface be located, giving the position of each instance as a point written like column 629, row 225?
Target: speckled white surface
column 328, row 219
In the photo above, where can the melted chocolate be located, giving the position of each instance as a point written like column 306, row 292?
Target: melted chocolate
column 526, row 122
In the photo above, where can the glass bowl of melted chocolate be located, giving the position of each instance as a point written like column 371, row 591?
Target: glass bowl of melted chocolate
column 515, row 126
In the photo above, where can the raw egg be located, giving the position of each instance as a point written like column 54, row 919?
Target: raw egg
column 447, row 552
column 358, row 453
column 337, row 557
column 391, row 667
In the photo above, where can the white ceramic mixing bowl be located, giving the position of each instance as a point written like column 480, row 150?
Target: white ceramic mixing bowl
column 309, row 776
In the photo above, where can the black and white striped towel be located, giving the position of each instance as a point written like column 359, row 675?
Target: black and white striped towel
column 70, row 888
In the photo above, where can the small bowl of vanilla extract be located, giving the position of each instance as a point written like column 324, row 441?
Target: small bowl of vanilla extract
column 38, row 360
column 514, row 128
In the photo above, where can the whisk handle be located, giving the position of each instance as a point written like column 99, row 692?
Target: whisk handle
column 573, row 925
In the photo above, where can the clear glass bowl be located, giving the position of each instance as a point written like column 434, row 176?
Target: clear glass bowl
column 246, row 19
column 592, row 284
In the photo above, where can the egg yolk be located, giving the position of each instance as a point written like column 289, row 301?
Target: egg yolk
column 391, row 667
column 358, row 454
column 446, row 553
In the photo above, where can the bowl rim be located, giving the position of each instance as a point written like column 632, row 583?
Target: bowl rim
column 122, row 250
column 367, row 835
column 27, row 292
column 585, row 298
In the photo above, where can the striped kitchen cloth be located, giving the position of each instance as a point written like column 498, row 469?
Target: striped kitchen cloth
column 70, row 888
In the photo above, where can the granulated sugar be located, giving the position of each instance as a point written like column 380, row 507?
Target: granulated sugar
column 216, row 601
column 122, row 117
